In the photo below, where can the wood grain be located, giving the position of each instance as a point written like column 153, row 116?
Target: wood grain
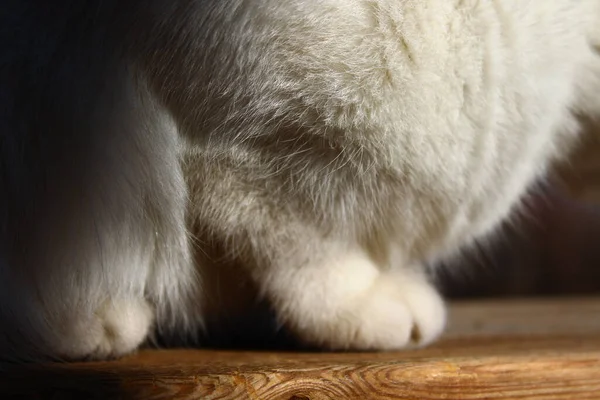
column 518, row 349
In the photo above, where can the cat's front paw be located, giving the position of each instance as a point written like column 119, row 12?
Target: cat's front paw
column 397, row 312
column 354, row 306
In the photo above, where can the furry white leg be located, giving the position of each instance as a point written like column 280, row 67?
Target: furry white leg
column 99, row 232
column 343, row 301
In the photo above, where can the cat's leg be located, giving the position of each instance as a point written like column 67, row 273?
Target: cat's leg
column 338, row 297
column 329, row 292
column 330, row 289
column 94, row 248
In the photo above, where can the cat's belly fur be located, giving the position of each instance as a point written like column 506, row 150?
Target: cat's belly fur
column 423, row 121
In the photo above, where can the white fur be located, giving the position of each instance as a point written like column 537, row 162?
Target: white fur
column 331, row 147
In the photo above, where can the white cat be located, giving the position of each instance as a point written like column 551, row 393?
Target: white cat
column 332, row 148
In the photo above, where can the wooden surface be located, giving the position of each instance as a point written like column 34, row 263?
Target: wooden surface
column 545, row 349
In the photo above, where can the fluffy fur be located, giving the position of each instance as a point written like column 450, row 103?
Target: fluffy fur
column 332, row 148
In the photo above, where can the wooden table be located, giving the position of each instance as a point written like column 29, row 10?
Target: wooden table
column 517, row 349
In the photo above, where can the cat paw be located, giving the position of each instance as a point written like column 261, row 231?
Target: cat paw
column 396, row 313
column 349, row 304
column 117, row 328
column 400, row 311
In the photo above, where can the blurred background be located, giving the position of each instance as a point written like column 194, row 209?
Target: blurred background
column 553, row 248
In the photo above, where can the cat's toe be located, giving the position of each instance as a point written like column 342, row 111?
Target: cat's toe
column 426, row 308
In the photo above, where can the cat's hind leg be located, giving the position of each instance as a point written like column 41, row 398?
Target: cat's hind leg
column 93, row 246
